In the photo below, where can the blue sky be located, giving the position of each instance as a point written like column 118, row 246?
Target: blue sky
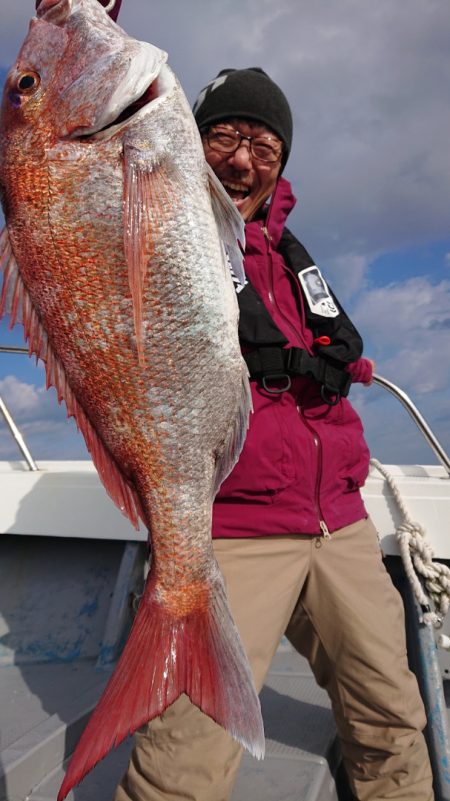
column 370, row 164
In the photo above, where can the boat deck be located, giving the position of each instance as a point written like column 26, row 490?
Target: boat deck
column 44, row 710
column 71, row 570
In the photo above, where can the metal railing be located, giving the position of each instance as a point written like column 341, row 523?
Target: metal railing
column 12, row 349
column 17, row 436
column 9, row 419
column 418, row 418
column 398, row 393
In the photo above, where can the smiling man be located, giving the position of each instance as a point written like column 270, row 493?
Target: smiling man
column 247, row 161
column 291, row 534
column 247, row 147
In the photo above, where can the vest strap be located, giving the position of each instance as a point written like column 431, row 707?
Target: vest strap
column 275, row 364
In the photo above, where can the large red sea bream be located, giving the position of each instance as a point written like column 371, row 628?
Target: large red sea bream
column 113, row 259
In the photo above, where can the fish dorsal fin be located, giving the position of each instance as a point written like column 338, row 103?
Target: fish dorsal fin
column 230, row 224
column 16, row 301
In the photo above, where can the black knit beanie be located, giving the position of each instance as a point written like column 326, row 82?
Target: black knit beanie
column 247, row 93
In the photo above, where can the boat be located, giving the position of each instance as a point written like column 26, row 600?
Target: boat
column 71, row 574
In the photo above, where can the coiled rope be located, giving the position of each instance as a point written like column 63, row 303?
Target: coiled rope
column 417, row 557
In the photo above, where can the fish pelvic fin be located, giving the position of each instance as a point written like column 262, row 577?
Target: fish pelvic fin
column 230, row 225
column 16, row 301
column 170, row 652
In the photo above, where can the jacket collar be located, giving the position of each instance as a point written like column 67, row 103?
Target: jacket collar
column 276, row 212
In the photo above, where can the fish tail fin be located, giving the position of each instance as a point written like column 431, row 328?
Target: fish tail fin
column 197, row 652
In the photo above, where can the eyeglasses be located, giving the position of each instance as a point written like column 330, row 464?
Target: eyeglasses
column 262, row 148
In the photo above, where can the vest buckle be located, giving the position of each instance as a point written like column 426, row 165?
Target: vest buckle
column 267, row 379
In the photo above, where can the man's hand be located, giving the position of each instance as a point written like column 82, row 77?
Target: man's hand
column 114, row 13
column 368, row 383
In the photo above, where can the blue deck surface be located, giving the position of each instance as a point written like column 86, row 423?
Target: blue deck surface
column 62, row 603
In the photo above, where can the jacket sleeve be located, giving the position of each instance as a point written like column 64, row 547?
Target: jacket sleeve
column 361, row 371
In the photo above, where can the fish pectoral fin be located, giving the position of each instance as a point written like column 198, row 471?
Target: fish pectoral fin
column 197, row 652
column 230, row 224
column 16, row 301
column 151, row 197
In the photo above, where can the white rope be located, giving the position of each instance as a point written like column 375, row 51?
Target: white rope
column 417, row 556
column 110, row 5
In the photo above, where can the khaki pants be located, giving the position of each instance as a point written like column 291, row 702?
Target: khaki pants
column 337, row 605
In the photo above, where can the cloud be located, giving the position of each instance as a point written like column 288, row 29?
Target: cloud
column 370, row 163
column 45, row 442
column 420, row 369
column 28, row 402
column 261, row 17
column 406, row 311
column 368, row 87
column 374, row 163
column 391, row 433
column 347, row 275
column 408, row 325
column 440, row 325
column 41, row 421
column 23, row 397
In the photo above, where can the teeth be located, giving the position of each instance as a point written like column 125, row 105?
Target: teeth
column 236, row 187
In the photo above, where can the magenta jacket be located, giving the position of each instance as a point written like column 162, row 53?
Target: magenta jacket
column 303, row 461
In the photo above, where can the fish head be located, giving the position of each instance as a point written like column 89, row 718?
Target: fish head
column 77, row 74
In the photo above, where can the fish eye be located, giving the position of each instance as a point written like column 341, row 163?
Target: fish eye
column 28, row 82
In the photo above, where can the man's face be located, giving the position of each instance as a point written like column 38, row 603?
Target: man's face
column 248, row 180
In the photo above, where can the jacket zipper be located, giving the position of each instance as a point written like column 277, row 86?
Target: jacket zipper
column 317, row 442
column 318, row 445
column 271, row 291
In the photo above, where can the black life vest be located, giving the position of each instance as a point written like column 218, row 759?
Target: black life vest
column 337, row 342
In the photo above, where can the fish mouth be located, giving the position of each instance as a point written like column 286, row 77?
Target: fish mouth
column 150, row 94
column 158, row 88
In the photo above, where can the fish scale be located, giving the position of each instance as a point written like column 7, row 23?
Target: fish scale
column 114, row 259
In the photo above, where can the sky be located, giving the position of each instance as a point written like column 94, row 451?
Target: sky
column 368, row 84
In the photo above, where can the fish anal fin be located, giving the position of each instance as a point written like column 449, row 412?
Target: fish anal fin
column 16, row 301
column 199, row 654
